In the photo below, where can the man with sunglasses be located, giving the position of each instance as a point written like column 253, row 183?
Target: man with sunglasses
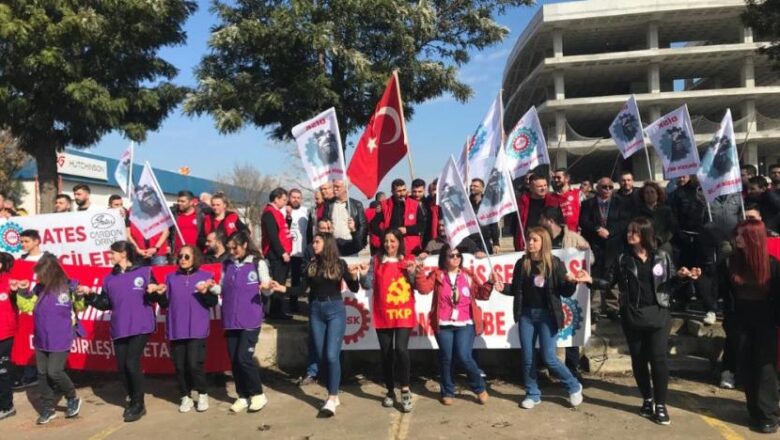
column 603, row 221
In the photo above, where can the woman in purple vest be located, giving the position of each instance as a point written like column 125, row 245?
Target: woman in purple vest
column 128, row 291
column 323, row 278
column 243, row 278
column 188, row 321
column 53, row 302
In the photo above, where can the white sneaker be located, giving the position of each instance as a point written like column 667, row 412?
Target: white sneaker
column 710, row 318
column 239, row 405
column 727, row 380
column 529, row 403
column 576, row 398
column 186, row 404
column 203, row 402
column 258, row 402
column 329, row 409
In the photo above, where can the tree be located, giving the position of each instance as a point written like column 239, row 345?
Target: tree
column 70, row 72
column 13, row 160
column 248, row 191
column 764, row 17
column 274, row 64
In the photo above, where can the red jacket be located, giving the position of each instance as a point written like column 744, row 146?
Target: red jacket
column 522, row 204
column 144, row 243
column 284, row 234
column 229, row 225
column 433, row 208
column 434, row 282
column 8, row 312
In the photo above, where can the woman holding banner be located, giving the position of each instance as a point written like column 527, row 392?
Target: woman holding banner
column 750, row 285
column 456, row 319
column 646, row 278
column 188, row 323
column 244, row 276
column 389, row 276
column 322, row 278
column 53, row 303
column 539, row 281
column 130, row 293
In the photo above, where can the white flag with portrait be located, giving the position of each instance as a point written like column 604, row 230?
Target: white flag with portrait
column 626, row 129
column 319, row 144
column 124, row 170
column 485, row 143
column 149, row 212
column 673, row 139
column 719, row 173
column 459, row 218
column 525, row 147
column 498, row 199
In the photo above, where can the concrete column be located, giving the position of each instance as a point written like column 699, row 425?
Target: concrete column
column 558, row 43
column 749, row 110
column 560, row 126
column 639, row 165
column 652, row 35
column 751, row 154
column 559, row 158
column 747, row 34
column 747, row 75
column 654, row 78
column 560, row 85
column 655, row 114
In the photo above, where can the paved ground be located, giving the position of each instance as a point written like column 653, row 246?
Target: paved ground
column 698, row 410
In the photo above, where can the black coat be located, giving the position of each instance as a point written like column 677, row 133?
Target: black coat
column 618, row 216
column 624, row 273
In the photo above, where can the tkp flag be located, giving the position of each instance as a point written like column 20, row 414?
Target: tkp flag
column 486, row 142
column 673, row 139
column 124, row 171
column 626, row 129
column 499, row 197
column 525, row 147
column 719, row 173
column 459, row 218
column 383, row 143
column 149, row 212
column 319, row 144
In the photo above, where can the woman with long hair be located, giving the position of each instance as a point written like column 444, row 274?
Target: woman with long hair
column 750, row 284
column 390, row 276
column 539, row 281
column 188, row 323
column 8, row 328
column 322, row 278
column 456, row 319
column 646, row 278
column 53, row 302
column 244, row 276
column 129, row 292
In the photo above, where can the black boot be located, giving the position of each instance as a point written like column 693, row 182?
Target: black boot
column 135, row 412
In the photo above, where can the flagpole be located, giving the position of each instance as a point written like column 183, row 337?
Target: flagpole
column 403, row 121
column 650, row 174
column 709, row 211
column 164, row 202
column 130, row 171
column 466, row 159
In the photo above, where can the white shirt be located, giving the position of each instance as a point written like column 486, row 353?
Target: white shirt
column 339, row 215
column 298, row 229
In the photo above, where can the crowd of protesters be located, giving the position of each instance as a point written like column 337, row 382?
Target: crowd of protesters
column 665, row 249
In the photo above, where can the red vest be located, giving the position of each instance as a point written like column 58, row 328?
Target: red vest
column 284, row 233
column 374, row 239
column 393, row 296
column 570, row 206
column 523, row 202
column 8, row 311
column 144, row 243
column 229, row 224
column 412, row 242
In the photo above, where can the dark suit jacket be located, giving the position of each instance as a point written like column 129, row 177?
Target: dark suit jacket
column 618, row 216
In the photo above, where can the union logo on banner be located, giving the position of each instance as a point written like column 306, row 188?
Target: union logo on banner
column 10, row 237
column 572, row 318
column 477, row 141
column 522, row 143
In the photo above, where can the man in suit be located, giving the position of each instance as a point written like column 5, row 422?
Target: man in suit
column 603, row 221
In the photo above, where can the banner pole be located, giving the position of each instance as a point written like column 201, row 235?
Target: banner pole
column 403, row 121
column 650, row 174
column 709, row 211
column 164, row 202
column 130, row 171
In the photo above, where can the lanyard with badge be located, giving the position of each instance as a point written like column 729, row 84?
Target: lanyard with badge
column 455, row 298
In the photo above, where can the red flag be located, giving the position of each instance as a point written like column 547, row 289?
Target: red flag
column 383, row 144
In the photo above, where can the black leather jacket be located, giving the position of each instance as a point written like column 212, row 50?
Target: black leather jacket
column 624, row 273
column 359, row 237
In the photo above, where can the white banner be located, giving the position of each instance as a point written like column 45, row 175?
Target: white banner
column 485, row 143
column 525, row 146
column 77, row 238
column 319, row 144
column 124, row 171
column 719, row 173
column 460, row 221
column 673, row 139
column 149, row 211
column 499, row 197
column 500, row 330
column 626, row 129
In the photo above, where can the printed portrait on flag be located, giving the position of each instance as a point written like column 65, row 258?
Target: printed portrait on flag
column 146, row 204
column 673, row 139
column 723, row 161
column 719, row 173
column 451, row 202
column 675, row 144
column 494, row 188
column 626, row 129
column 319, row 145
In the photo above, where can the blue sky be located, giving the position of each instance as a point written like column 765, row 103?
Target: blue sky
column 438, row 129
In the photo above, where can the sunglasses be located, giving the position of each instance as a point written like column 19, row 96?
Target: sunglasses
column 453, row 256
column 185, row 257
column 606, row 188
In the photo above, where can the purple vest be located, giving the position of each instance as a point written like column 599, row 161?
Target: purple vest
column 242, row 307
column 53, row 315
column 130, row 315
column 187, row 318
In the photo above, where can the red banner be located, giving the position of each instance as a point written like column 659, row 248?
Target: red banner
column 95, row 351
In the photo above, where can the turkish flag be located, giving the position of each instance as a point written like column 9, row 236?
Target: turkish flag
column 383, row 144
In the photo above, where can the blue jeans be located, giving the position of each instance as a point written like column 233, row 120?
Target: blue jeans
column 327, row 323
column 312, row 369
column 458, row 341
column 539, row 324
